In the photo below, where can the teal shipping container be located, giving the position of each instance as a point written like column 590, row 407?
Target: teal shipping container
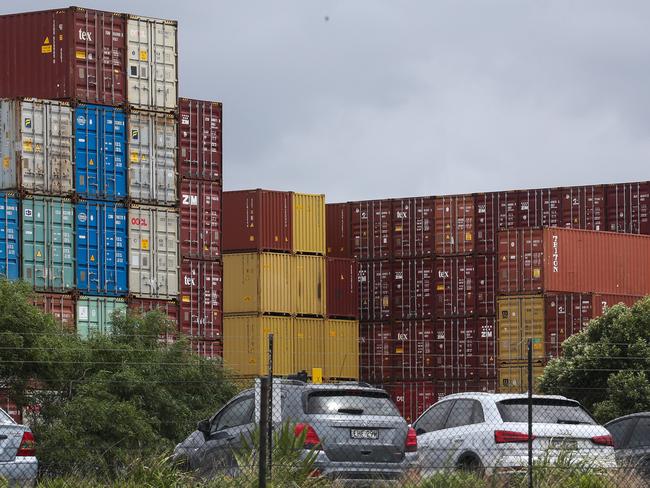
column 95, row 314
column 9, row 237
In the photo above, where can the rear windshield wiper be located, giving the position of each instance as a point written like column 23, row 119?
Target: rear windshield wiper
column 352, row 411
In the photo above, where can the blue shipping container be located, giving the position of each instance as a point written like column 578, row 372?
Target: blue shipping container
column 100, row 152
column 9, row 237
column 102, row 248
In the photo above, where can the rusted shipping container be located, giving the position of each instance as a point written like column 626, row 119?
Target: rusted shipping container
column 455, row 286
column 201, row 299
column 413, row 295
column 200, row 219
column 207, row 349
column 412, row 227
column 200, row 139
column 454, row 224
column 338, row 237
column 375, row 289
column 486, row 284
column 62, row 307
column 451, row 386
column 411, row 398
column 412, row 350
column 371, row 229
column 513, row 378
column 628, row 208
column 66, row 54
column 342, row 288
column 257, row 220
column 376, row 360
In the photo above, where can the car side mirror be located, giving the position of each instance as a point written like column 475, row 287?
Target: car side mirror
column 204, row 427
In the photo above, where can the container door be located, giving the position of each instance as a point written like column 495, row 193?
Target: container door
column 140, row 154
column 141, row 267
column 61, row 252
column 164, row 161
column 9, row 145
column 87, row 246
column 87, row 317
column 166, row 251
column 109, row 307
column 9, row 238
column 115, row 255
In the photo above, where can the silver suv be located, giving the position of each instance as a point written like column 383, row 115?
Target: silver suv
column 357, row 431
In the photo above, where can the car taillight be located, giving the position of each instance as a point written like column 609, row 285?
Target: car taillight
column 27, row 445
column 506, row 436
column 311, row 437
column 603, row 440
column 411, row 443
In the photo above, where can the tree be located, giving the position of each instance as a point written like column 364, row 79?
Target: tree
column 607, row 365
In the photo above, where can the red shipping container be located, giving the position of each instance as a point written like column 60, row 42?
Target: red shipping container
column 628, row 208
column 454, row 224
column 374, row 282
column 257, row 220
column 71, row 53
column 411, row 398
column 413, row 295
column 375, row 345
column 539, row 208
column 486, row 284
column 342, row 288
column 413, row 230
column 494, row 212
column 412, row 349
column 371, row 229
column 337, row 230
column 199, row 139
column 451, row 386
column 200, row 219
column 455, row 283
column 62, row 307
column 168, row 307
column 583, row 207
column 201, row 300
column 207, row 349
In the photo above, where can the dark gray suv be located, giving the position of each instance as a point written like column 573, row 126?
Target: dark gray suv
column 356, row 430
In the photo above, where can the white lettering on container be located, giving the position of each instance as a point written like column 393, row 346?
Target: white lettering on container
column 556, row 254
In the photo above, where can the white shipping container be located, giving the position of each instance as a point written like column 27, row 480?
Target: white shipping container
column 153, row 252
column 36, row 146
column 152, row 157
column 152, row 63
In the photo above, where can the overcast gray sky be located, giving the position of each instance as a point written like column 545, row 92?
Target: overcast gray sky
column 416, row 97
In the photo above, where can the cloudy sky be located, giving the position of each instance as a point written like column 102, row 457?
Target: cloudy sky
column 385, row 98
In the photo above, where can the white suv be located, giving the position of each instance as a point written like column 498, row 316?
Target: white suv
column 487, row 431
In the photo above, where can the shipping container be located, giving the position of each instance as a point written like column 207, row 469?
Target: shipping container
column 411, row 398
column 342, row 288
column 513, row 378
column 308, row 344
column 451, row 386
column 48, row 257
column 153, row 252
column 486, row 285
column 152, row 58
column 375, row 289
column 376, row 359
column 168, row 307
column 207, row 349
column 308, row 223
column 371, row 229
column 583, row 207
column 455, row 286
column 341, row 349
column 454, row 224
column 338, row 231
column 101, row 248
column 257, row 220
column 628, row 208
column 95, row 314
column 258, row 282
column 10, row 407
column 152, row 157
column 200, row 219
column 61, row 307
column 67, row 54
column 520, row 318
column 535, row 260
column 245, row 344
column 200, row 139
column 412, row 350
column 308, row 287
column 100, row 152
column 10, row 237
column 413, row 295
column 36, row 145
column 413, row 229
column 201, row 301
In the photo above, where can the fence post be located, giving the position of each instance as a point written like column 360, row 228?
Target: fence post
column 530, row 413
column 264, row 414
column 270, row 408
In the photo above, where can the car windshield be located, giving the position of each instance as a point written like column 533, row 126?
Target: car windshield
column 545, row 410
column 351, row 403
column 5, row 419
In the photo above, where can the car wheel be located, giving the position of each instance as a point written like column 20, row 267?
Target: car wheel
column 470, row 463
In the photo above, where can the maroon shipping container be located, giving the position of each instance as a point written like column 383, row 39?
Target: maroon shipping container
column 413, row 229
column 371, row 229
column 375, row 289
column 412, row 398
column 628, row 208
column 455, row 285
column 71, row 53
column 521, row 254
column 257, row 220
column 10, row 407
column 338, row 230
column 199, row 139
column 342, row 288
column 62, row 307
column 146, row 305
column 201, row 300
column 412, row 350
column 454, row 224
column 583, row 207
column 486, row 284
column 200, row 219
column 451, row 386
column 376, row 361
column 413, row 296
column 207, row 349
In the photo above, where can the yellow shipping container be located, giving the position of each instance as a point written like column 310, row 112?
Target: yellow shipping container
column 308, row 343
column 308, row 284
column 308, row 223
column 245, row 344
column 257, row 283
column 341, row 349
column 520, row 318
column 513, row 378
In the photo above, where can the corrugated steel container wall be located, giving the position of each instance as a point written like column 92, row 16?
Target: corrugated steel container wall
column 153, row 252
column 454, row 224
column 341, row 349
column 342, row 288
column 513, row 378
column 36, row 146
column 371, row 229
column 521, row 260
column 309, row 223
column 308, row 286
column 376, row 359
column 455, row 285
column 602, row 302
column 413, row 229
column 95, row 314
column 411, row 398
column 48, row 257
column 486, row 285
column 245, row 344
column 100, row 152
column 412, row 349
column 338, row 231
column 257, row 283
column 101, row 248
column 257, row 220
column 152, row 58
column 308, row 344
column 10, row 236
column 201, row 305
column 375, row 289
column 167, row 307
column 449, row 387
column 539, row 208
column 200, row 139
column 152, row 157
column 565, row 314
column 200, row 219
column 413, row 293
column 628, row 208
column 62, row 307
column 520, row 318
column 207, row 349
column 583, row 207
column 71, row 53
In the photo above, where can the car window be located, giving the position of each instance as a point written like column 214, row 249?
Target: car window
column 545, row 410
column 464, row 412
column 239, row 412
column 351, row 402
column 434, row 419
column 640, row 434
column 618, row 430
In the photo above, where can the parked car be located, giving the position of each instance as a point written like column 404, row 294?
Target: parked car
column 356, row 431
column 487, row 431
column 632, row 441
column 18, row 464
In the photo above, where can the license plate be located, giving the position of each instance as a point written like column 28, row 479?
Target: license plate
column 364, row 434
column 561, row 443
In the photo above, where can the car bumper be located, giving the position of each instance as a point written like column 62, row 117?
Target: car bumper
column 20, row 472
column 586, row 460
column 365, row 471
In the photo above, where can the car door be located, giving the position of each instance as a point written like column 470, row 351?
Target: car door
column 637, row 450
column 427, row 427
column 455, row 432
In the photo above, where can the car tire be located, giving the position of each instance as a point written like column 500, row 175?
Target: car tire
column 470, row 463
